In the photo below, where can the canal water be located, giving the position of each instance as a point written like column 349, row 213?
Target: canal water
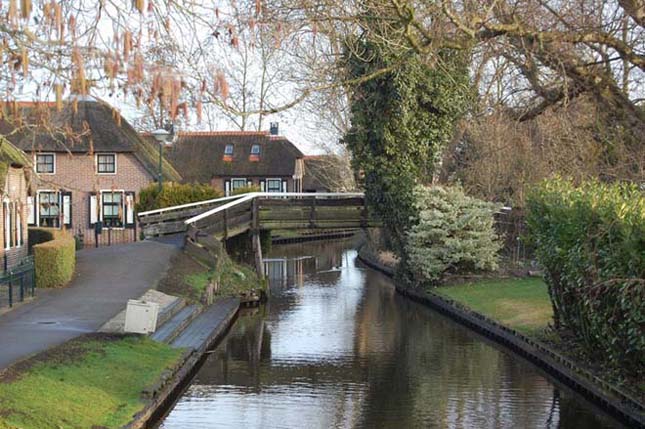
column 336, row 347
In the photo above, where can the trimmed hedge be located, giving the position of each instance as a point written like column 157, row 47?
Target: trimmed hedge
column 246, row 190
column 590, row 240
column 174, row 194
column 54, row 257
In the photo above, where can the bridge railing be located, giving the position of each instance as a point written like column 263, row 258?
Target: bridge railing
column 170, row 220
column 245, row 213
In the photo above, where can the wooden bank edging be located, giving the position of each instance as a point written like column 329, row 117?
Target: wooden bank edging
column 611, row 399
column 171, row 385
column 317, row 237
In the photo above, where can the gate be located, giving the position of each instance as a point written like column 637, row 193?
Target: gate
column 17, row 283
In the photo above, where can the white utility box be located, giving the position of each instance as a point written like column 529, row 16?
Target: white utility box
column 141, row 317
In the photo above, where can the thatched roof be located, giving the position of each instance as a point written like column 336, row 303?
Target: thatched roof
column 90, row 125
column 10, row 156
column 199, row 156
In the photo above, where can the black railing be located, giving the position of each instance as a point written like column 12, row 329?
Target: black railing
column 17, row 283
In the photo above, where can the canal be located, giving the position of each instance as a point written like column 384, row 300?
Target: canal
column 336, row 347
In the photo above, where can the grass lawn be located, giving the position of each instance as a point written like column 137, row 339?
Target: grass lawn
column 522, row 304
column 93, row 381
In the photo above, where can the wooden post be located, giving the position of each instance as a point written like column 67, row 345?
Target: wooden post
column 255, row 237
column 312, row 213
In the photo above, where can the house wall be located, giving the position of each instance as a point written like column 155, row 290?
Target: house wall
column 15, row 191
column 76, row 173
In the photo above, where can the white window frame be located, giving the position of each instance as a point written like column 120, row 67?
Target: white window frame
column 238, row 179
column 36, row 155
column 96, row 163
column 6, row 207
column 268, row 188
column 232, row 149
column 123, row 208
column 37, row 203
column 253, row 146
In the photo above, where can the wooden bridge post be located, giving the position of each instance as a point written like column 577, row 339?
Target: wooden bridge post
column 255, row 237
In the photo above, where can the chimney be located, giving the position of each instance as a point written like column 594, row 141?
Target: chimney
column 273, row 128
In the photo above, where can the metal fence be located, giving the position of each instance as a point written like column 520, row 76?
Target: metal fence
column 17, row 283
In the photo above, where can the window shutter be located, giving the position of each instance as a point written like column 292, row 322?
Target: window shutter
column 93, row 209
column 227, row 187
column 129, row 210
column 284, row 186
column 262, row 186
column 31, row 211
column 67, row 208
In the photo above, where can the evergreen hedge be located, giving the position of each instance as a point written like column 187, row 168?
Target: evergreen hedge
column 174, row 194
column 55, row 259
column 454, row 234
column 590, row 240
column 246, row 190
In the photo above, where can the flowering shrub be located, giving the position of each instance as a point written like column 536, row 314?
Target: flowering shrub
column 454, row 233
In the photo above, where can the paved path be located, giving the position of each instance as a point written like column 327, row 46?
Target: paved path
column 104, row 281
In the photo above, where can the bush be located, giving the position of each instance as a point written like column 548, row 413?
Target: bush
column 246, row 190
column 174, row 194
column 454, row 233
column 590, row 240
column 54, row 260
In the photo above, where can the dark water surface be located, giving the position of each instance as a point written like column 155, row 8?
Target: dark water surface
column 336, row 347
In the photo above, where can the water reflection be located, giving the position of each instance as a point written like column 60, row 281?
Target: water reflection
column 337, row 347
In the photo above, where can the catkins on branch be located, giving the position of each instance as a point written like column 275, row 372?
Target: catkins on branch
column 25, row 62
column 25, row 9
column 71, row 25
column 198, row 108
column 58, row 88
column 258, row 7
column 81, row 83
column 13, row 13
column 221, row 86
column 127, row 45
column 139, row 5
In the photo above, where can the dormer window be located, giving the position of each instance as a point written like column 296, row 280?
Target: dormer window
column 228, row 150
column 255, row 149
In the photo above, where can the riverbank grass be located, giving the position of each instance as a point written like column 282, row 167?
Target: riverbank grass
column 521, row 304
column 94, row 381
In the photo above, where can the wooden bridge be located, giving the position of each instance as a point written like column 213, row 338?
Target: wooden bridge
column 207, row 223
column 230, row 216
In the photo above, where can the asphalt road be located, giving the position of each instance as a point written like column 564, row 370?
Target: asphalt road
column 105, row 279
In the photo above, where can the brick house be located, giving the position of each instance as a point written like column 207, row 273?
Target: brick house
column 14, row 189
column 91, row 173
column 229, row 160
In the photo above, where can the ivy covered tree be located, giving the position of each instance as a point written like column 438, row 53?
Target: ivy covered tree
column 403, row 111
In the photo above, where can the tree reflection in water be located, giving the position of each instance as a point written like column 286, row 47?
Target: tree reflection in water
column 337, row 347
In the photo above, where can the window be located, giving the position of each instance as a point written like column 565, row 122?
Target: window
column 48, row 209
column 112, row 209
column 237, row 184
column 45, row 163
column 274, row 185
column 255, row 149
column 106, row 163
column 228, row 150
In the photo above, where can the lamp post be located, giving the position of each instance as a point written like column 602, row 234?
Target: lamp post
column 163, row 136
